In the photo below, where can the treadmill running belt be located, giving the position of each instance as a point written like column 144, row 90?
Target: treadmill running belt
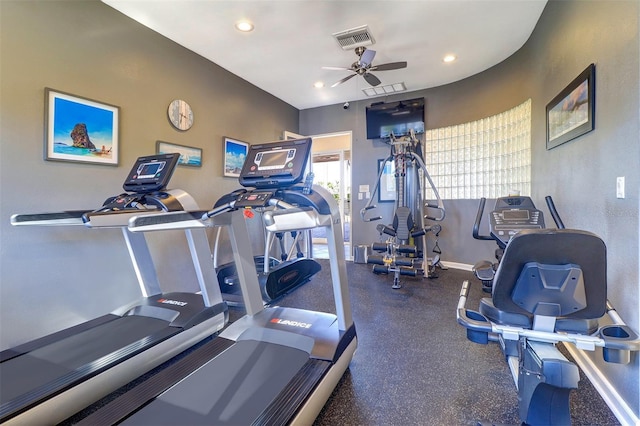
column 232, row 389
column 49, row 363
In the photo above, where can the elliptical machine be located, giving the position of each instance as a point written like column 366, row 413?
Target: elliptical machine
column 510, row 215
column 404, row 242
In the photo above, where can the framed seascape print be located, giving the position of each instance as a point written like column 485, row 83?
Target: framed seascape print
column 572, row 112
column 387, row 188
column 189, row 156
column 235, row 152
column 80, row 130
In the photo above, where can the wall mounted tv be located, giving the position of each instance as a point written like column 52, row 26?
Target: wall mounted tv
column 397, row 117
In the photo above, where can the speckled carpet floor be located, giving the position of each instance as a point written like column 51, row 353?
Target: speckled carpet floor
column 414, row 365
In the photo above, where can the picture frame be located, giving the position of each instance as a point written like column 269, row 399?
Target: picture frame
column 387, row 187
column 190, row 156
column 234, row 154
column 572, row 112
column 80, row 130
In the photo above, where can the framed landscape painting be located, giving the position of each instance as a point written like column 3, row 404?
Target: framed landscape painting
column 235, row 153
column 80, row 130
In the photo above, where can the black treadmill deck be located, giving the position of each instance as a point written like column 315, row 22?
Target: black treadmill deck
column 46, row 371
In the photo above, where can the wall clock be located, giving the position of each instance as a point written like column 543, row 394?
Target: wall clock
column 180, row 114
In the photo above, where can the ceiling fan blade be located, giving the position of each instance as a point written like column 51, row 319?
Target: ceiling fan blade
column 390, row 66
column 336, row 68
column 343, row 80
column 371, row 79
column 367, row 58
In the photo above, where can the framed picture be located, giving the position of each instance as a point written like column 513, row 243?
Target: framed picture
column 235, row 152
column 189, row 156
column 572, row 112
column 387, row 188
column 80, row 130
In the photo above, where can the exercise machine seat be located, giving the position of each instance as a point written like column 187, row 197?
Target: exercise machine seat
column 552, row 272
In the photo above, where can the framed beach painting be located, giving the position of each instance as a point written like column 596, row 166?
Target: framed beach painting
column 189, row 156
column 80, row 130
column 235, row 153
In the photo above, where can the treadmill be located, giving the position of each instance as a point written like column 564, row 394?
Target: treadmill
column 47, row 380
column 275, row 365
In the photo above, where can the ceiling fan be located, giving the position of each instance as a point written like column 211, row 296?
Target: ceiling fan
column 363, row 66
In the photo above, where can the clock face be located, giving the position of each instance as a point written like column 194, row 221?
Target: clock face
column 180, row 115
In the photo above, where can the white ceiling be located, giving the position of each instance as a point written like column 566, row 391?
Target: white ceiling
column 293, row 39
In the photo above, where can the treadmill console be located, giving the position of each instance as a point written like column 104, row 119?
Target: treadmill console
column 276, row 165
column 145, row 185
column 513, row 214
column 151, row 173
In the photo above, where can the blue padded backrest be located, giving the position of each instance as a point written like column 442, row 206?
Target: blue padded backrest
column 538, row 263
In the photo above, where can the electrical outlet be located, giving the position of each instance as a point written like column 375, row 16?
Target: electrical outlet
column 620, row 187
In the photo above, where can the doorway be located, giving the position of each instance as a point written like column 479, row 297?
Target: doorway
column 331, row 165
column 332, row 170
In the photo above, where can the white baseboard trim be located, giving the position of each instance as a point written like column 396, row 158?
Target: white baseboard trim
column 456, row 265
column 607, row 391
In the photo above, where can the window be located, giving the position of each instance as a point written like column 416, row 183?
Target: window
column 486, row 158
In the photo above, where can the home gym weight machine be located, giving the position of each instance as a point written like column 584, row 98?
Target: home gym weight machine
column 403, row 252
column 548, row 286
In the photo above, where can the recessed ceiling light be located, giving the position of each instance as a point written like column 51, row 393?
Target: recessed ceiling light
column 244, row 26
column 318, row 84
column 449, row 58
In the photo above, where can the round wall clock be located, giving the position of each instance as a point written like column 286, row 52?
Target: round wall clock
column 180, row 114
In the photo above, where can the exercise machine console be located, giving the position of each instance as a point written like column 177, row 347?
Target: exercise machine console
column 265, row 169
column 51, row 378
column 510, row 215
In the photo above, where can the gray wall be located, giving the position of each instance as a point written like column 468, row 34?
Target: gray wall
column 55, row 277
column 580, row 175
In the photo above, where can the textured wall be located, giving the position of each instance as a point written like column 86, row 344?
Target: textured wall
column 54, row 277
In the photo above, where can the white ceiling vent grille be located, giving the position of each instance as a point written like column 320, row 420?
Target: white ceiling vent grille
column 355, row 37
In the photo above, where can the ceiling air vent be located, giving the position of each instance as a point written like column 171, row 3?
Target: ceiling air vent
column 355, row 37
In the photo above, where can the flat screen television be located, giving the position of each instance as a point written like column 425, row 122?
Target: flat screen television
column 397, row 117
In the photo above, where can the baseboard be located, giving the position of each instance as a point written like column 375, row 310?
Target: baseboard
column 456, row 265
column 607, row 391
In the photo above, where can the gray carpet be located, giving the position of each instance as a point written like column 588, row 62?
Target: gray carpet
column 414, row 365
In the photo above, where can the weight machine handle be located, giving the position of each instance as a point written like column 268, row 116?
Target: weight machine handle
column 363, row 212
column 439, row 207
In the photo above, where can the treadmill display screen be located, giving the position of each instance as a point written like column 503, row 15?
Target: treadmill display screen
column 151, row 173
column 273, row 160
column 277, row 164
